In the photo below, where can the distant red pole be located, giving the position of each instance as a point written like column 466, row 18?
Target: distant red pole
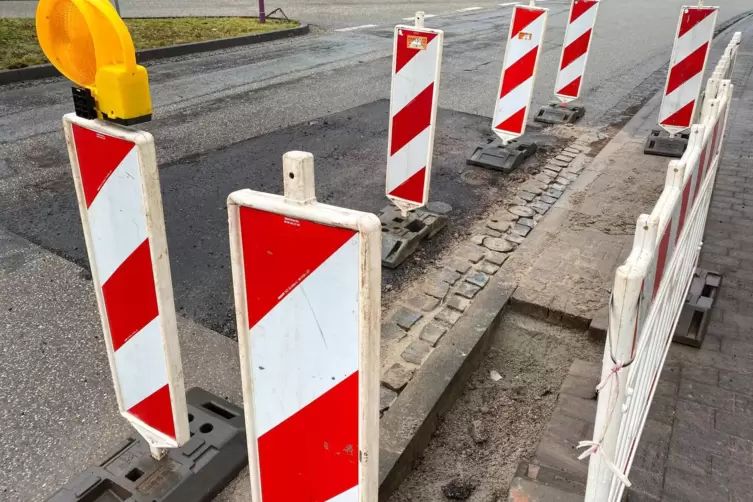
column 262, row 14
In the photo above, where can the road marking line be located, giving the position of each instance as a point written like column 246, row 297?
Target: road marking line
column 509, row 4
column 426, row 16
column 468, row 9
column 353, row 28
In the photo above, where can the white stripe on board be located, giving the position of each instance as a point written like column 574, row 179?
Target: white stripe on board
column 346, row 496
column 117, row 217
column 680, row 97
column 517, row 48
column 581, row 25
column 307, row 343
column 468, row 9
column 415, row 76
column 353, row 28
column 571, row 72
column 513, row 102
column 140, row 365
column 696, row 37
column 408, row 160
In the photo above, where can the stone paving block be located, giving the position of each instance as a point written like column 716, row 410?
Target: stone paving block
column 559, row 186
column 710, row 395
column 448, row 275
column 488, row 268
column 689, row 458
column 478, row 239
column 708, row 376
column 560, row 181
column 528, row 222
column 564, row 157
column 521, row 230
column 396, row 377
column 392, row 332
column 550, row 173
column 496, row 258
column 569, row 176
column 458, row 265
column 436, row 288
column 735, row 424
column 710, row 440
column 473, row 254
column 540, row 207
column 499, row 226
column 554, row 168
column 570, row 149
column 526, row 196
column 467, row 290
column 386, row 398
column 406, row 318
column 416, row 352
column 682, row 486
column 543, row 178
column 479, row 279
column 448, row 316
column 423, row 302
column 647, row 485
column 522, row 211
column 548, row 199
column 533, row 187
column 560, row 163
column 433, row 332
column 458, row 303
column 552, row 192
column 514, row 238
column 733, row 474
column 491, row 233
column 498, row 245
column 736, row 382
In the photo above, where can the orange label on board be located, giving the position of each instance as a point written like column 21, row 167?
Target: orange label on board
column 415, row 42
column 525, row 36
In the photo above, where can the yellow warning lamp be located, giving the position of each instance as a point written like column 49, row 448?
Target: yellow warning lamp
column 88, row 42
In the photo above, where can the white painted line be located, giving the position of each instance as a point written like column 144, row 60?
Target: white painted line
column 468, row 9
column 353, row 28
column 426, row 16
column 510, row 4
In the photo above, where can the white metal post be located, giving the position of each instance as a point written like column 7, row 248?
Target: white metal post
column 420, row 19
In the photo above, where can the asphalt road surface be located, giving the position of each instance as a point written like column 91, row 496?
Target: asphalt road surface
column 222, row 121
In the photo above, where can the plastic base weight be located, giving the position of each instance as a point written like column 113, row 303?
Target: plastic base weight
column 401, row 236
column 659, row 142
column 696, row 312
column 558, row 113
column 502, row 158
column 196, row 472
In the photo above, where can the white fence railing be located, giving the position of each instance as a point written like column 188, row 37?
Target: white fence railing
column 649, row 291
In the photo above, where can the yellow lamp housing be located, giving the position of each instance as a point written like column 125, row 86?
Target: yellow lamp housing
column 88, row 42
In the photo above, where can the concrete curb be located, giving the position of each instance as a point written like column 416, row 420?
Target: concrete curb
column 408, row 426
column 47, row 70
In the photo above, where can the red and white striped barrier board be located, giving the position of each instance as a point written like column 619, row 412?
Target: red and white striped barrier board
column 117, row 186
column 307, row 288
column 519, row 71
column 578, row 36
column 417, row 57
column 695, row 32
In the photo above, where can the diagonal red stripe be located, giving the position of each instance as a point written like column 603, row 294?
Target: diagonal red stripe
column 313, row 455
column 691, row 17
column 580, row 7
column 575, row 49
column 684, row 207
column 412, row 189
column 522, row 17
column 403, row 53
column 571, row 89
column 687, row 68
column 699, row 179
column 682, row 117
column 412, row 119
column 130, row 298
column 661, row 260
column 518, row 72
column 279, row 253
column 514, row 123
column 98, row 157
column 156, row 411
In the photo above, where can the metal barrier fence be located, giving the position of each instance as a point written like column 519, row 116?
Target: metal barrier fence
column 649, row 292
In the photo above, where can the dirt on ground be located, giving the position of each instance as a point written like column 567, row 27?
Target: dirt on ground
column 498, row 420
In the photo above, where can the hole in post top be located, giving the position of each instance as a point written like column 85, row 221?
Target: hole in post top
column 291, row 175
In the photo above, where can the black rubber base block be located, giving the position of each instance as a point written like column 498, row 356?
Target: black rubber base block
column 502, row 158
column 557, row 113
column 197, row 472
column 660, row 143
column 696, row 312
column 401, row 236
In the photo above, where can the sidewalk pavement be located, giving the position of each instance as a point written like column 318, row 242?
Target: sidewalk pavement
column 697, row 445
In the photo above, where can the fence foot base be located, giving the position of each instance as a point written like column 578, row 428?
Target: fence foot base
column 660, row 143
column 502, row 158
column 558, row 113
column 401, row 236
column 197, row 472
column 696, row 312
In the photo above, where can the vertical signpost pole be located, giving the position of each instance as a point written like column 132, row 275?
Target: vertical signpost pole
column 695, row 32
column 307, row 282
column 513, row 102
